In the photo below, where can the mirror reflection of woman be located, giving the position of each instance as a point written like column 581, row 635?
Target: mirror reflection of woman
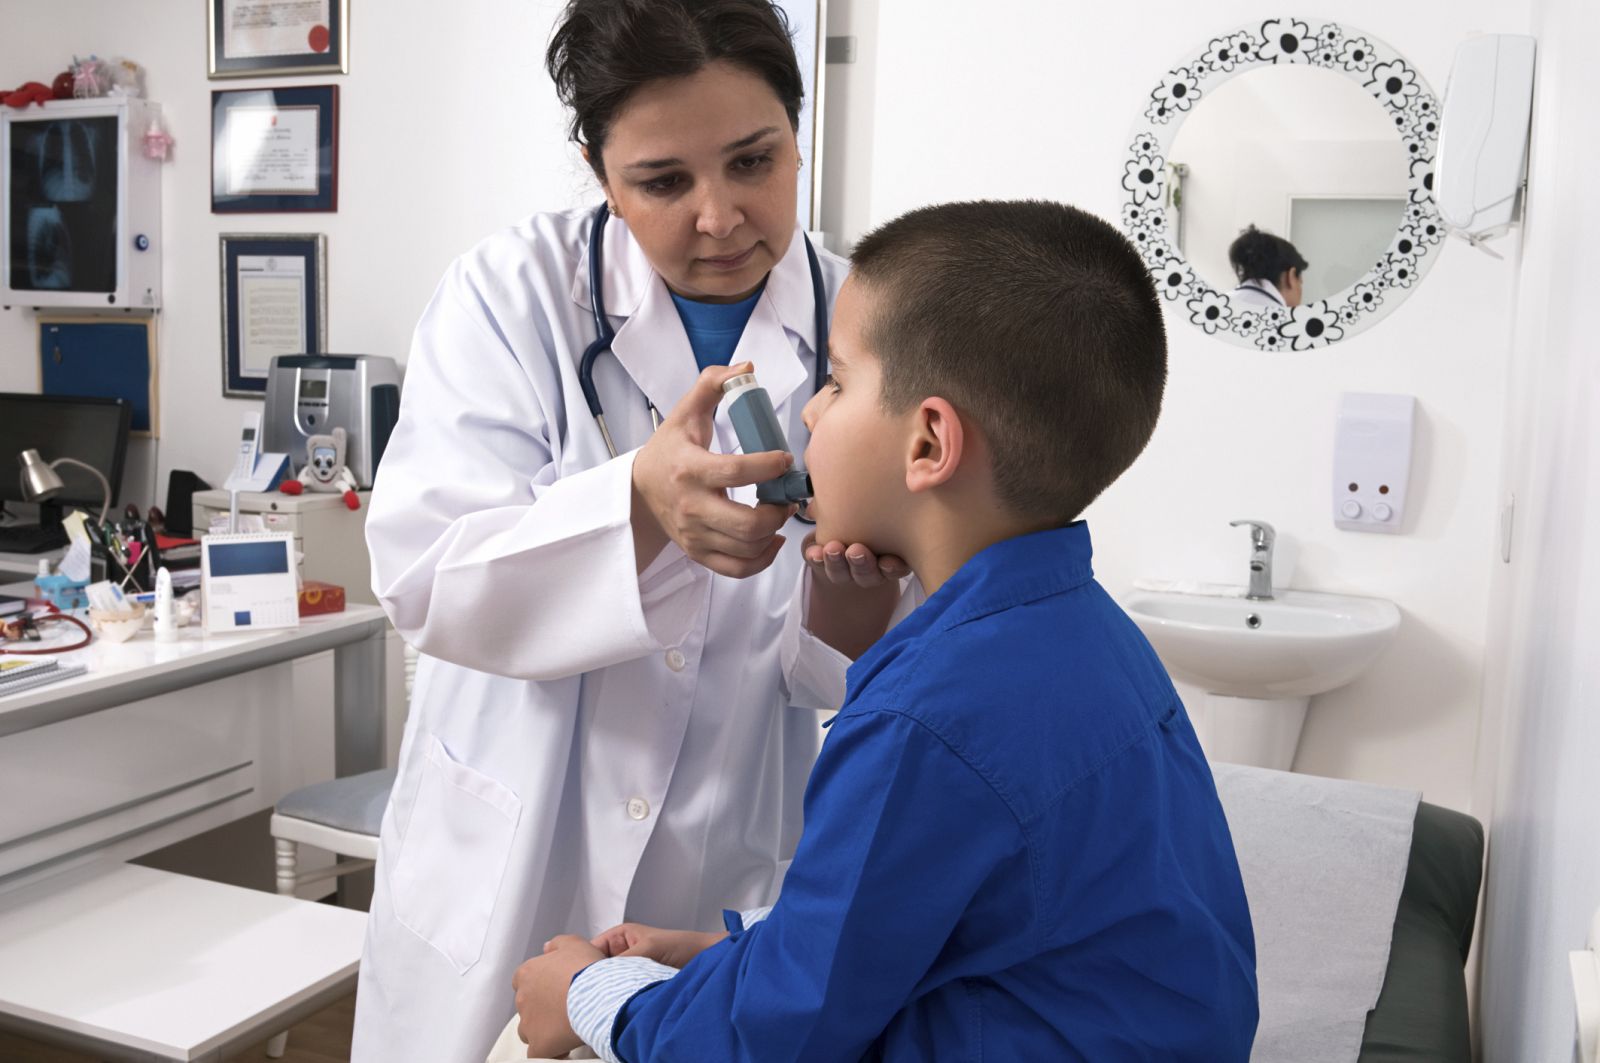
column 1269, row 269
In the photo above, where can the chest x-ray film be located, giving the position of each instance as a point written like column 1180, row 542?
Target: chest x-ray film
column 63, row 224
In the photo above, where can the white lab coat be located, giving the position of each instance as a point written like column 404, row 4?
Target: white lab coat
column 586, row 744
column 1257, row 294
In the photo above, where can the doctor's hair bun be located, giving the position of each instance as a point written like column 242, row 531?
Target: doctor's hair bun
column 603, row 50
column 1036, row 320
column 1258, row 255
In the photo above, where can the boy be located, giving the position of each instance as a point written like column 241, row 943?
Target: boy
column 1013, row 848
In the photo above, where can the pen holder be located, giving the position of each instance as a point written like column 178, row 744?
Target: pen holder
column 118, row 627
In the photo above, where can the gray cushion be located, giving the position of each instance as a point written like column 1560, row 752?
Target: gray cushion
column 354, row 803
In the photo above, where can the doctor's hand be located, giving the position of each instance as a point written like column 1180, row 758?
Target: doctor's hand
column 853, row 593
column 541, row 985
column 680, row 489
column 674, row 948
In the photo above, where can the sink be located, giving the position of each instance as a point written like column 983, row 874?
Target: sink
column 1260, row 662
column 1297, row 644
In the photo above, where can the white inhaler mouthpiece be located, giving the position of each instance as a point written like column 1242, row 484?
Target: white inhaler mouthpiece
column 755, row 422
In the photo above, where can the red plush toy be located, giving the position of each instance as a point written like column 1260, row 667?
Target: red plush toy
column 31, row 92
column 38, row 92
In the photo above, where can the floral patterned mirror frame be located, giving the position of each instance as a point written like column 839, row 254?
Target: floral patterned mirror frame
column 1381, row 72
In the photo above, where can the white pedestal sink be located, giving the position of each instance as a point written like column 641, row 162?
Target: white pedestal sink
column 1260, row 662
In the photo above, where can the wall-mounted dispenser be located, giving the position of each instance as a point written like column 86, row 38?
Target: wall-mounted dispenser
column 1372, row 461
column 1483, row 135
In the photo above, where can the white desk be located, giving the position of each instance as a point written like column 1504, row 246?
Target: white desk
column 91, row 761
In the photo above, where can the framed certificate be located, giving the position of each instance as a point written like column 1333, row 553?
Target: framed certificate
column 274, row 301
column 265, row 38
column 275, row 150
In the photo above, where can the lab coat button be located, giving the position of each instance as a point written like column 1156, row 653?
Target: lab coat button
column 676, row 659
column 638, row 808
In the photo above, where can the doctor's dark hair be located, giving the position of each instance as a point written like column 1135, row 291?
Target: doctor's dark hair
column 1259, row 255
column 1039, row 322
column 604, row 50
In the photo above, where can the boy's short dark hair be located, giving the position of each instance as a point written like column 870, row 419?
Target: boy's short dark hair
column 1037, row 320
column 1261, row 255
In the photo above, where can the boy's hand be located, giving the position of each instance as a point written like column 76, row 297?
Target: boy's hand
column 541, row 986
column 675, row 948
column 853, row 593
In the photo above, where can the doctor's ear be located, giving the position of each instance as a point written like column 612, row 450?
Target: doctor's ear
column 938, row 441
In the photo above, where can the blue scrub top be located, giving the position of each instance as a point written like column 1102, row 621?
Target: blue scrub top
column 714, row 328
column 1013, row 849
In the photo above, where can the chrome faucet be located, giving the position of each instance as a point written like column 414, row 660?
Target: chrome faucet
column 1262, row 537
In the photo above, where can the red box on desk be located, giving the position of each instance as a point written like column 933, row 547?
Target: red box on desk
column 318, row 597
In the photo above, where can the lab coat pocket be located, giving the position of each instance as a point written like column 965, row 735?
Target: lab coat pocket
column 453, row 856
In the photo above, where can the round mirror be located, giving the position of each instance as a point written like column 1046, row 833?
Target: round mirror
column 1280, row 184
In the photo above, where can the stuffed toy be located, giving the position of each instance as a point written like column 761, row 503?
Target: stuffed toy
column 325, row 469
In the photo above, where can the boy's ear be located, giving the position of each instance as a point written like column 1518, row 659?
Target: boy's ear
column 938, row 441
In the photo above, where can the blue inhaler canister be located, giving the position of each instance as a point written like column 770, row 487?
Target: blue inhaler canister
column 756, row 424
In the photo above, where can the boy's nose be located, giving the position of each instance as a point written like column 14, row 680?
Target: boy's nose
column 808, row 415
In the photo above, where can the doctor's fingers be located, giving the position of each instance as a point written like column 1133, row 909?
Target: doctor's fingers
column 700, row 401
column 739, row 567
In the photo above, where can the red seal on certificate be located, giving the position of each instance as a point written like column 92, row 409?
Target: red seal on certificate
column 318, row 38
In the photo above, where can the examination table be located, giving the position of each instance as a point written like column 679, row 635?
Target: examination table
column 1422, row 1010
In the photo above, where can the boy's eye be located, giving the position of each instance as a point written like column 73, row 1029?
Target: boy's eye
column 831, row 384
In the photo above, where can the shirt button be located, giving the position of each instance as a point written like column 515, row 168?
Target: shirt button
column 676, row 659
column 638, row 808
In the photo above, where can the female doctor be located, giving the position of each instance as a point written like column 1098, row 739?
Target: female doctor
column 612, row 719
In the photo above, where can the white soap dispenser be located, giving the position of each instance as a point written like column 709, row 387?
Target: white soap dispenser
column 1372, row 461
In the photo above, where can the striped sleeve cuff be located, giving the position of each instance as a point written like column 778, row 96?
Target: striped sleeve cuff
column 600, row 990
column 751, row 916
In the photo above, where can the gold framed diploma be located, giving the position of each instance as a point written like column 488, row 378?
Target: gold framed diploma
column 269, row 38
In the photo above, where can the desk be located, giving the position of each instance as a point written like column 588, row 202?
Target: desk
column 136, row 964
column 93, row 762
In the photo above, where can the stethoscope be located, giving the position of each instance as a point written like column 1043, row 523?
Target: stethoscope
column 1266, row 288
column 604, row 333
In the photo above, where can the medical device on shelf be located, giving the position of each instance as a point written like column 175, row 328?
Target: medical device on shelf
column 312, row 394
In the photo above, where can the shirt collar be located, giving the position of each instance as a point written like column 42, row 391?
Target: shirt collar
column 1002, row 576
column 628, row 275
column 662, row 365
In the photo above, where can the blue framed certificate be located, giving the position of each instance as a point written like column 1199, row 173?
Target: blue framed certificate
column 274, row 301
column 275, row 150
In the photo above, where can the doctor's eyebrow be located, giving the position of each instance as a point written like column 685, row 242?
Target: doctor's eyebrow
column 737, row 145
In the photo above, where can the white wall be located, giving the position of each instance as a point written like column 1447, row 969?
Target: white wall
column 1542, row 706
column 449, row 129
column 1011, row 98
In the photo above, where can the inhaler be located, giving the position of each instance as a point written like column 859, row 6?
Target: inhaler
column 756, row 424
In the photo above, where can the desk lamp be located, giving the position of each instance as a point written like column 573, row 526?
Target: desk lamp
column 39, row 479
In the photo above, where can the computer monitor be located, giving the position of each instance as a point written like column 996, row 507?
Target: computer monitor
column 92, row 430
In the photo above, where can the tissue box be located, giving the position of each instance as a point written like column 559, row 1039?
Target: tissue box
column 318, row 597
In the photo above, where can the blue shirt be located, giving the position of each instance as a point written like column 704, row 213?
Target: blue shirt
column 714, row 328
column 1013, row 849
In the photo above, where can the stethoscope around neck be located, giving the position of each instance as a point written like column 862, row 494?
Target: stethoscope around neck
column 604, row 333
